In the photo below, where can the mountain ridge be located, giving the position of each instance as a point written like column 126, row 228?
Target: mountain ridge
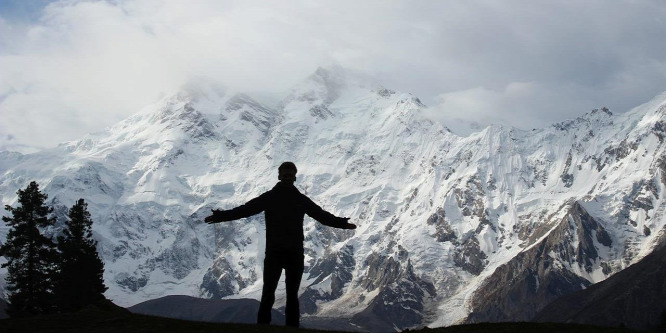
column 634, row 298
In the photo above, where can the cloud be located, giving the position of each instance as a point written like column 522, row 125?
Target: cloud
column 524, row 105
column 72, row 67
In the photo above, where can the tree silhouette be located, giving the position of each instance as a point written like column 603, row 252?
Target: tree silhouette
column 30, row 255
column 80, row 280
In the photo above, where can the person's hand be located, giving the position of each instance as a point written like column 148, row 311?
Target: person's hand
column 348, row 225
column 210, row 219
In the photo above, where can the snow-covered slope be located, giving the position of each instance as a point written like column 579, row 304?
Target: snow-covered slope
column 439, row 215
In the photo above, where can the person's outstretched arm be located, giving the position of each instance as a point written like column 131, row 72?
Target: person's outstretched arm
column 326, row 218
column 252, row 207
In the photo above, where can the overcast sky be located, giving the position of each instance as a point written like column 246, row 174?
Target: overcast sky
column 68, row 68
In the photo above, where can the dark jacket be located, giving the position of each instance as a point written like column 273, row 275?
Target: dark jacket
column 284, row 208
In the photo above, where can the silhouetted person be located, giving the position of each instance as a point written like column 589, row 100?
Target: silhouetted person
column 284, row 208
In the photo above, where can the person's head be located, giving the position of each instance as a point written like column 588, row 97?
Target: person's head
column 287, row 172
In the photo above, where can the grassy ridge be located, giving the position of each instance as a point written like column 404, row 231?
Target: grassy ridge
column 523, row 327
column 94, row 320
column 118, row 321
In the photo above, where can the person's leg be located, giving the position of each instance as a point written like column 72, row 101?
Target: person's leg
column 272, row 272
column 293, row 274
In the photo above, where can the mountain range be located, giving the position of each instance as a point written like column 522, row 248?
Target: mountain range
column 493, row 226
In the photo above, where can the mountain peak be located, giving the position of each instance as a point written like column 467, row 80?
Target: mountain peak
column 327, row 83
column 199, row 89
column 600, row 117
column 323, row 86
column 329, row 75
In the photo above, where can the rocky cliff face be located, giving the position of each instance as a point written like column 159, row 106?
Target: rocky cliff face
column 548, row 269
column 443, row 219
column 634, row 297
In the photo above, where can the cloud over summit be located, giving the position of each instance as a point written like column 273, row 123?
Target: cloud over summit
column 72, row 67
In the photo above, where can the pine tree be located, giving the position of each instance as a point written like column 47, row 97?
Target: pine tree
column 30, row 255
column 80, row 280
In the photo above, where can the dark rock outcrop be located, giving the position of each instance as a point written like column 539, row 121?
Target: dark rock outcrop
column 469, row 256
column 517, row 290
column 443, row 230
column 634, row 297
column 252, row 111
column 340, row 264
column 400, row 301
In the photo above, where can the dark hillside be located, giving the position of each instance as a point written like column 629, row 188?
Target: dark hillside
column 118, row 321
column 635, row 297
column 3, row 306
column 104, row 321
column 240, row 311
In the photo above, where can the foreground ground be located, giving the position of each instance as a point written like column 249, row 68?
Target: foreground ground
column 120, row 321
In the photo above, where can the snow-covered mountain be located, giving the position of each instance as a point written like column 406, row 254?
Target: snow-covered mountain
column 446, row 223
